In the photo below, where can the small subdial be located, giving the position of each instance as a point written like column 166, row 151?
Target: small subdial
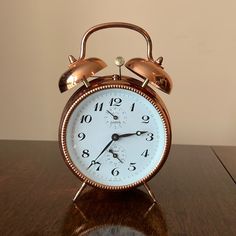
column 115, row 117
column 116, row 154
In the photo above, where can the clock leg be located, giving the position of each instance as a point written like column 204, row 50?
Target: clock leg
column 83, row 186
column 80, row 211
column 151, row 194
column 149, row 209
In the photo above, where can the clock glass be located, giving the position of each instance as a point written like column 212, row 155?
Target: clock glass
column 115, row 137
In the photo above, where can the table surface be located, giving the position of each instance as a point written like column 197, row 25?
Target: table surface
column 195, row 189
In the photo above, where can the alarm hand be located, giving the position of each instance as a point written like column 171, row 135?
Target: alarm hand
column 114, row 116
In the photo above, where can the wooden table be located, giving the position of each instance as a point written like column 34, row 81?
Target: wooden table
column 195, row 189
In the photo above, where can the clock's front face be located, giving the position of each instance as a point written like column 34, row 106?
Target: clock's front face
column 115, row 137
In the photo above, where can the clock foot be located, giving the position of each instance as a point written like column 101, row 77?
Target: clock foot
column 151, row 194
column 149, row 209
column 83, row 186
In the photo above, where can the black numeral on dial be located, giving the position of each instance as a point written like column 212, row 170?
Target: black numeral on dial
column 86, row 119
column 115, row 172
column 99, row 165
column 132, row 107
column 145, row 153
column 150, row 136
column 115, row 102
column 85, row 153
column 98, row 106
column 132, row 167
column 81, row 136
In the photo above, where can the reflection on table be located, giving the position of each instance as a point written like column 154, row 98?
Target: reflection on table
column 114, row 213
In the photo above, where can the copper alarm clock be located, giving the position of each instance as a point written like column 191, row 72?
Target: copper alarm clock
column 115, row 131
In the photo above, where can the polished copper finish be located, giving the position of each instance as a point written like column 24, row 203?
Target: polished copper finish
column 159, row 60
column 79, row 71
column 152, row 72
column 104, row 83
column 71, row 59
column 116, row 25
column 78, row 193
column 148, row 69
column 150, row 192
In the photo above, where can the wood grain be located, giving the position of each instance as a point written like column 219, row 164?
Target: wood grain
column 227, row 156
column 196, row 196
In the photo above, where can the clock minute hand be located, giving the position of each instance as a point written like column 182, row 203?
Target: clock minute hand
column 104, row 149
column 114, row 137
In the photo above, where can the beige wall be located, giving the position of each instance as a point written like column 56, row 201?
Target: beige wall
column 196, row 38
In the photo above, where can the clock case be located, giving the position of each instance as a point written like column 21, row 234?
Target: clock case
column 81, row 72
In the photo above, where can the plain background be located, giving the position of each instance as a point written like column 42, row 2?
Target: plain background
column 196, row 38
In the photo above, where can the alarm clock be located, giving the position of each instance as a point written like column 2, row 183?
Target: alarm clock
column 115, row 131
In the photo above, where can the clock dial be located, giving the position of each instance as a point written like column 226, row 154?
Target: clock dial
column 115, row 137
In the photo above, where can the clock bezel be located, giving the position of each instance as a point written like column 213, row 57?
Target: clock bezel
column 104, row 83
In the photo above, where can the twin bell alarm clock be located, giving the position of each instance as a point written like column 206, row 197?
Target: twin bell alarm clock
column 115, row 131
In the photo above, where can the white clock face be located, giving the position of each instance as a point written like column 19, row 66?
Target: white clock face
column 116, row 137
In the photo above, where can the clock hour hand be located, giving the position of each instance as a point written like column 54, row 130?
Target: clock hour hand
column 138, row 133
